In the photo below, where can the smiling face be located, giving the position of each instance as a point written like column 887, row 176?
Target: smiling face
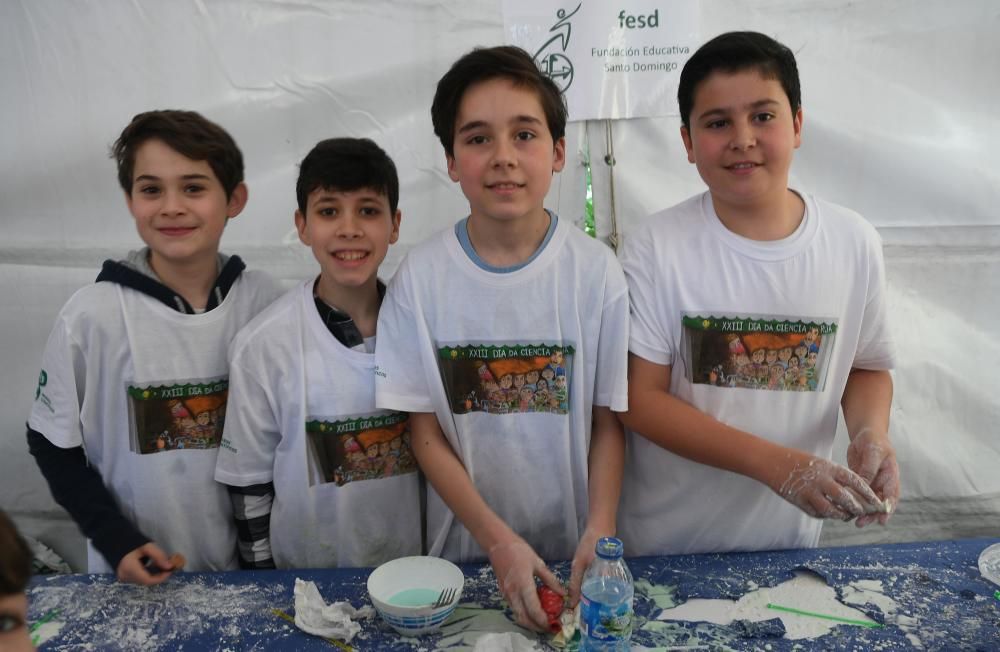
column 742, row 136
column 349, row 233
column 504, row 155
column 179, row 205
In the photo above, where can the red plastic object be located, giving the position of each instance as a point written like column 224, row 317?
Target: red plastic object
column 553, row 605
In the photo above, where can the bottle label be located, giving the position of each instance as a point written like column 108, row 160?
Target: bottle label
column 604, row 622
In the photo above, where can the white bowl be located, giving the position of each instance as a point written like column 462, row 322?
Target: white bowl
column 406, row 573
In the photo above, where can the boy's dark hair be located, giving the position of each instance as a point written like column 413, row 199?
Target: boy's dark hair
column 347, row 164
column 734, row 52
column 186, row 132
column 15, row 558
column 484, row 64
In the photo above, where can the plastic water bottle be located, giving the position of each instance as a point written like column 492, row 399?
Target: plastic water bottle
column 606, row 603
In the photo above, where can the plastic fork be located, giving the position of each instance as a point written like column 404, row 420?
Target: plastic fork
column 445, row 598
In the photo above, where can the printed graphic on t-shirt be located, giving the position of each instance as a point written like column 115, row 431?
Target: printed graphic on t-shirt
column 180, row 416
column 507, row 378
column 360, row 448
column 758, row 352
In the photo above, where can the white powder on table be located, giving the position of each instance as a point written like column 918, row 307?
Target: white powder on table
column 805, row 591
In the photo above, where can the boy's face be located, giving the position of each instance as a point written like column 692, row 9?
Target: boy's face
column 14, row 623
column 349, row 233
column 504, row 155
column 179, row 206
column 742, row 135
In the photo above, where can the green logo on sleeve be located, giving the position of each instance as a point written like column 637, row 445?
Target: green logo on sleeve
column 43, row 379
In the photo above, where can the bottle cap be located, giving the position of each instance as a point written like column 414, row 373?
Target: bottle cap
column 609, row 548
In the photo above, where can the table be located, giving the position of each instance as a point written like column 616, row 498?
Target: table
column 941, row 602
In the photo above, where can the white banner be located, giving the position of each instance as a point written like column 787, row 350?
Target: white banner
column 611, row 59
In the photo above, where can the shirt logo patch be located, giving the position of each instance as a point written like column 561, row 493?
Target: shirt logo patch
column 768, row 353
column 362, row 448
column 177, row 416
column 507, row 379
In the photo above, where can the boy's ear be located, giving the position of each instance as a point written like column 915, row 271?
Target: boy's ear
column 237, row 200
column 300, row 226
column 797, row 126
column 396, row 219
column 686, row 137
column 451, row 167
column 559, row 155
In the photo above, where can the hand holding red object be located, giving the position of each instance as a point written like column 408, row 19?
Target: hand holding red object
column 553, row 605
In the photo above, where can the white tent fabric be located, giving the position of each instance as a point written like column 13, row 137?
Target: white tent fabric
column 898, row 99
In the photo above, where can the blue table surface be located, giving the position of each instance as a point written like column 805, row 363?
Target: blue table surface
column 942, row 603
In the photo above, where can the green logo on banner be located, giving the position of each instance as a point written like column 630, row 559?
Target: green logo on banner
column 551, row 57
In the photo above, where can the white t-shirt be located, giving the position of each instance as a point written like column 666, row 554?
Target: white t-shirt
column 143, row 389
column 302, row 414
column 761, row 336
column 512, row 364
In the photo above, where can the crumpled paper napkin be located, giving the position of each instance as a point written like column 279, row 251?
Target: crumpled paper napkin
column 314, row 615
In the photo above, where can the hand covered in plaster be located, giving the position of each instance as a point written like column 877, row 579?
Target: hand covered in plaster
column 822, row 488
column 516, row 565
column 581, row 559
column 872, row 457
column 135, row 567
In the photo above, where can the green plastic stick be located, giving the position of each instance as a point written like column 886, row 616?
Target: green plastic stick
column 849, row 621
column 997, row 595
column 41, row 621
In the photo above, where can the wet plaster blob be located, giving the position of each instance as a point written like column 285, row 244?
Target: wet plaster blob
column 806, row 591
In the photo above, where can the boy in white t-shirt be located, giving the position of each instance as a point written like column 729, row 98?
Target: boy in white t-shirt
column 476, row 310
column 729, row 449
column 319, row 477
column 130, row 401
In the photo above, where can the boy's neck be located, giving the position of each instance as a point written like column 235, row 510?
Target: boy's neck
column 506, row 243
column 361, row 303
column 767, row 220
column 193, row 280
